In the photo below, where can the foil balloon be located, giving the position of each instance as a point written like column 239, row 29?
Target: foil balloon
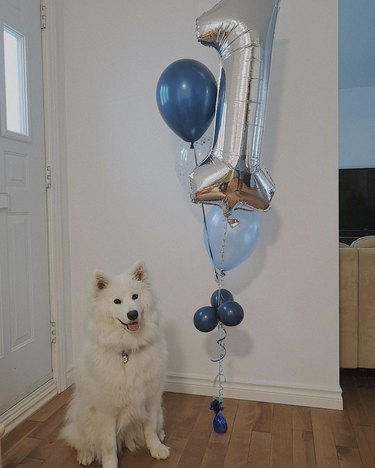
column 242, row 32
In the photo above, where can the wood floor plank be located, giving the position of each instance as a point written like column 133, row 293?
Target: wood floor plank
column 48, row 450
column 49, row 429
column 173, row 402
column 366, row 444
column 30, row 463
column 282, row 418
column 303, row 449
column 67, row 461
column 342, row 429
column 141, row 457
column 239, row 444
column 324, row 442
column 195, row 448
column 23, row 430
column 20, row 451
column 353, row 406
column 52, row 406
column 301, row 419
column 282, row 437
column 349, row 457
column 259, row 450
column 179, row 434
column 264, row 417
column 367, row 398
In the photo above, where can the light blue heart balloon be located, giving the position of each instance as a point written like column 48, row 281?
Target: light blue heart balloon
column 231, row 249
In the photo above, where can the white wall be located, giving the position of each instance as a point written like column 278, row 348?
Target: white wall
column 357, row 127
column 126, row 201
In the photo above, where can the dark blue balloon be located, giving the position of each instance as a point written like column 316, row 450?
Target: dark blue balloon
column 205, row 319
column 225, row 296
column 186, row 97
column 230, row 313
column 220, row 423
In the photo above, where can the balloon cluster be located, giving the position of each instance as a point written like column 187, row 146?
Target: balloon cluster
column 228, row 173
column 223, row 309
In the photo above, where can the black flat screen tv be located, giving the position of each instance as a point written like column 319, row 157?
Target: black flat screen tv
column 357, row 201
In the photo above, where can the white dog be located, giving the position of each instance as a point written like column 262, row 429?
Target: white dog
column 121, row 373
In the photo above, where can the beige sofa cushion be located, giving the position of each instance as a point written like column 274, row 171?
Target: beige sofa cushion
column 342, row 245
column 364, row 242
column 366, row 308
column 348, row 308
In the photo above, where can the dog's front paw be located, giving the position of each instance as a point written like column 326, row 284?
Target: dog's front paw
column 160, row 452
column 85, row 458
column 161, row 435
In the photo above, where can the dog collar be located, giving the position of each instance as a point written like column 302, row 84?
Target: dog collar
column 125, row 357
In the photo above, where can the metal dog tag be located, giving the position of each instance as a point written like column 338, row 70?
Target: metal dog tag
column 125, row 357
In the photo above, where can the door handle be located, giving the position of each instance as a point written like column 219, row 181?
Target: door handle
column 4, row 201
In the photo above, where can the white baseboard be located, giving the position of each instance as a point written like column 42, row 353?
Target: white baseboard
column 26, row 407
column 318, row 397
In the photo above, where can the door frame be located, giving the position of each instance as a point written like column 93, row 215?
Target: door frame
column 57, row 198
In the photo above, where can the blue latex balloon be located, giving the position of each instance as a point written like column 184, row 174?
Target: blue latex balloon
column 205, row 319
column 240, row 241
column 186, row 98
column 230, row 313
column 220, row 423
column 220, row 296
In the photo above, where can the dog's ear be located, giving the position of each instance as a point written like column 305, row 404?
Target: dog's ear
column 139, row 272
column 101, row 281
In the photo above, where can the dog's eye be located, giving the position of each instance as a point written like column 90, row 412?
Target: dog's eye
column 134, row 297
column 117, row 301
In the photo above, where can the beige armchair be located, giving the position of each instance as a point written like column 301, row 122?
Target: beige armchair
column 357, row 304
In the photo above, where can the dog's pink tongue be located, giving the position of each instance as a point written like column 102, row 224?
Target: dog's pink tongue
column 133, row 326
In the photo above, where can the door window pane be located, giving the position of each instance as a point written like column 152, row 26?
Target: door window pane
column 15, row 82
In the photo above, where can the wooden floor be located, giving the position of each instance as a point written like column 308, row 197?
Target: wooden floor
column 259, row 435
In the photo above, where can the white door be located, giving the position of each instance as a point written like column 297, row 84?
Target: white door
column 25, row 348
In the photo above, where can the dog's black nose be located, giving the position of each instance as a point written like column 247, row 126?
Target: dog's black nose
column 132, row 314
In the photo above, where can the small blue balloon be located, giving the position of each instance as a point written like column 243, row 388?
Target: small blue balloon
column 240, row 241
column 220, row 423
column 186, row 98
column 230, row 313
column 220, row 296
column 205, row 319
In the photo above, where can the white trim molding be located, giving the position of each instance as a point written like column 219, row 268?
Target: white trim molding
column 317, row 397
column 26, row 407
column 57, row 198
column 70, row 376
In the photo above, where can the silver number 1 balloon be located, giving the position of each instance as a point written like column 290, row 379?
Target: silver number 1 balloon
column 242, row 32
